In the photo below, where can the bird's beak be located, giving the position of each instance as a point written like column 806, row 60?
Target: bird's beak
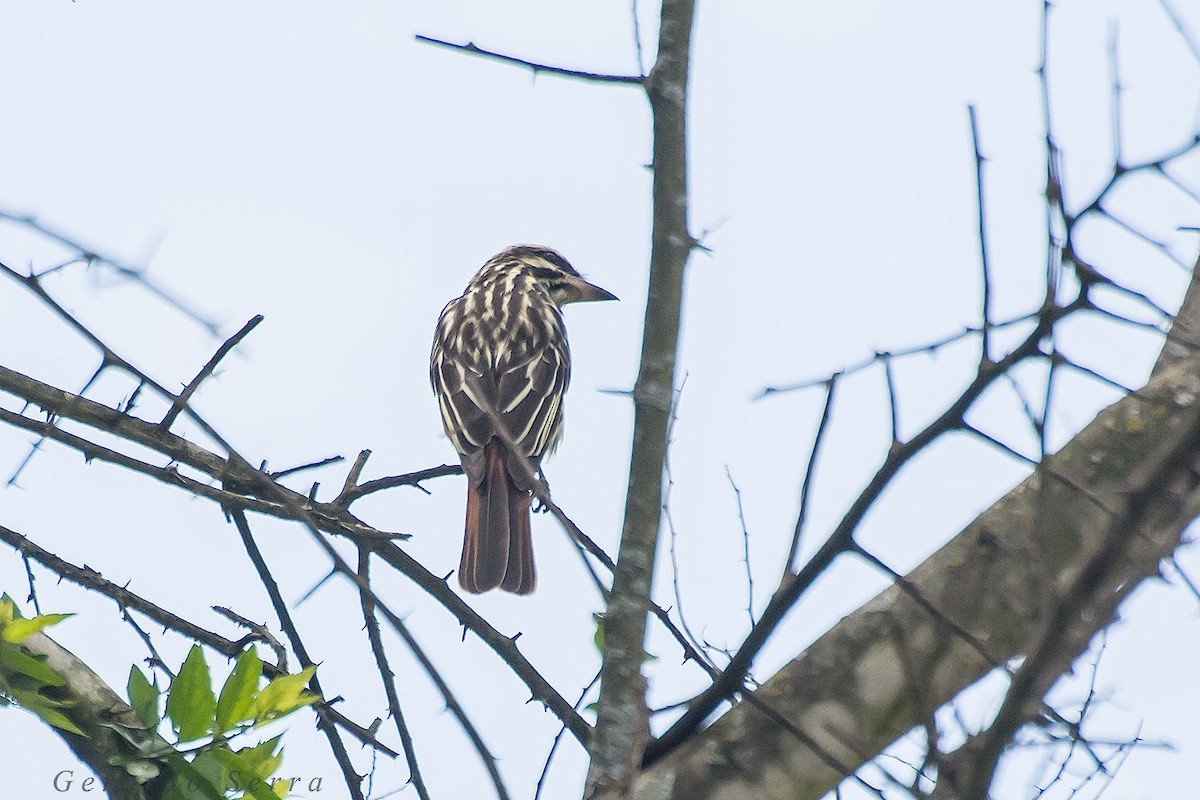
column 584, row 292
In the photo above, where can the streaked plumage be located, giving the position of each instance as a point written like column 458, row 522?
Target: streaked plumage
column 500, row 354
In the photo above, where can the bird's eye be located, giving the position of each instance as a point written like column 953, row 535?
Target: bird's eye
column 546, row 274
column 557, row 260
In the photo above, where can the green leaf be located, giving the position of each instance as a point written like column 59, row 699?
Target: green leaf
column 262, row 758
column 48, row 710
column 12, row 657
column 190, row 703
column 213, row 769
column 261, row 790
column 598, row 638
column 237, row 695
column 190, row 783
column 244, row 775
column 143, row 696
column 284, row 695
column 18, row 630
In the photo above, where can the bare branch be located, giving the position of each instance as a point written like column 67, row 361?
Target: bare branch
column 1114, row 73
column 637, row 38
column 352, row 778
column 349, row 495
column 928, row 348
column 841, row 539
column 127, row 600
column 177, row 405
column 537, row 793
column 737, row 494
column 352, row 478
column 563, row 72
column 371, row 622
column 460, row 715
column 92, row 256
column 1181, row 29
column 985, row 326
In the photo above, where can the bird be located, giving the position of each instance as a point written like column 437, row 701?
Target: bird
column 499, row 367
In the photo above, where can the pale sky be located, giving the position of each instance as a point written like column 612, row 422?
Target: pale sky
column 313, row 163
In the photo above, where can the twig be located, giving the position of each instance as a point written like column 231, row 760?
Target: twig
column 563, row 72
column 985, row 327
column 386, row 675
column 637, row 41
column 352, row 477
column 90, row 256
column 32, row 596
column 889, row 381
column 1177, row 21
column 928, row 348
column 1058, row 357
column 178, row 404
column 90, row 579
column 318, row 464
column 155, row 660
column 537, row 792
column 1114, row 73
column 1037, row 422
column 809, row 471
column 37, row 445
column 348, row 496
column 258, row 632
column 1183, row 576
column 999, row 445
column 672, row 549
column 737, row 493
column 352, row 778
column 460, row 715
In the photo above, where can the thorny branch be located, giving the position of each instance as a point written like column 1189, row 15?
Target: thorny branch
column 594, row 77
column 336, row 745
column 371, row 622
column 128, row 600
column 244, row 488
column 460, row 714
column 88, row 256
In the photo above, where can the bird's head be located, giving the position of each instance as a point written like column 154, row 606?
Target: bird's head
column 551, row 270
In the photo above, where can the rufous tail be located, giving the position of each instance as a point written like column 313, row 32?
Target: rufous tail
column 497, row 545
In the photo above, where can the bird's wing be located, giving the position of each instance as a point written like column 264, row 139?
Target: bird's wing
column 529, row 399
column 520, row 379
